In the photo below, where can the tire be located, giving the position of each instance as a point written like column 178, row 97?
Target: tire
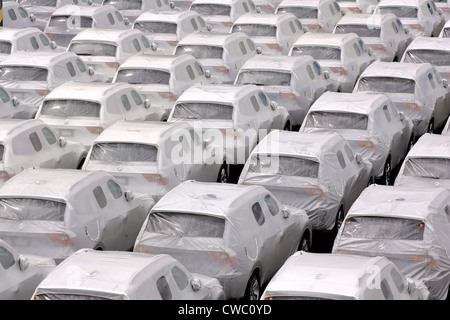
column 252, row 292
column 223, row 175
column 304, row 244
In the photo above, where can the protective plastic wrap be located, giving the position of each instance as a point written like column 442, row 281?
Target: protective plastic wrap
column 12, row 73
column 70, row 108
column 124, row 4
column 211, row 9
column 152, row 27
column 408, row 225
column 255, row 30
column 365, row 30
column 264, row 78
column 200, row 51
column 300, row 12
column 318, row 52
column 143, row 76
column 399, row 11
column 93, row 49
column 386, row 84
column 31, row 209
column 124, row 152
column 433, row 56
column 203, row 111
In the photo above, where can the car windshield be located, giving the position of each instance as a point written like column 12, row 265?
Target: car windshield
column 210, row 111
column 70, row 108
column 433, row 168
column 200, row 51
column 300, row 12
column 124, row 152
column 12, row 73
column 5, row 47
column 264, row 78
column 150, row 27
column 435, row 57
column 186, row 224
column 400, row 12
column 143, row 76
column 31, row 209
column 256, row 30
column 318, row 52
column 93, row 49
column 336, row 120
column 207, row 9
column 386, row 84
column 69, row 22
column 383, row 228
column 124, row 4
column 362, row 30
column 283, row 166
column 45, row 3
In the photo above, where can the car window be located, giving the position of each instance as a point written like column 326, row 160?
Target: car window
column 310, row 72
column 331, row 9
column 34, row 43
column 163, row 288
column 272, row 205
column 136, row 97
column 118, row 16
column 395, row 27
column 263, row 98
column 199, row 68
column 349, row 152
column 100, row 197
column 111, row 18
column 71, row 69
column 45, row 41
column 386, row 113
column 398, row 280
column 255, row 103
column 136, row 45
column 114, row 188
column 4, row 96
column 258, row 213
column 317, row 68
column 22, row 12
column 431, row 80
column 35, row 141
column 145, row 42
column 194, row 24
column 190, row 72
column 180, row 277
column 125, row 102
column 357, row 50
column 80, row 64
column 291, row 25
column 49, row 135
column 242, row 47
column 6, row 258
column 12, row 14
column 244, row 4
column 341, row 159
column 430, row 9
column 387, row 293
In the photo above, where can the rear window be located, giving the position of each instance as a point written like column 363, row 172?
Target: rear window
column 383, row 228
column 70, row 108
column 386, row 84
column 200, row 51
column 400, row 12
column 264, row 78
column 23, row 74
column 256, row 30
column 211, row 111
column 143, row 76
column 124, row 4
column 186, row 225
column 93, row 49
column 432, row 168
column 150, row 27
column 211, row 9
column 282, row 165
column 435, row 57
column 318, row 52
column 300, row 12
column 31, row 209
column 337, row 120
column 124, row 152
column 45, row 3
column 363, row 30
column 70, row 22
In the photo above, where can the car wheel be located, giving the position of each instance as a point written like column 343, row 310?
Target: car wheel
column 253, row 288
column 223, row 174
column 431, row 126
column 304, row 244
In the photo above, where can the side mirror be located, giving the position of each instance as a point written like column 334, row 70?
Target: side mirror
column 440, row 12
column 129, row 195
column 53, row 45
column 23, row 262
column 370, row 51
column 273, row 105
column 62, row 142
column 326, row 75
column 258, row 9
column 196, row 284
column 209, row 27
column 406, row 31
column 208, row 74
column 32, row 17
column 154, row 46
column 358, row 158
column 91, row 71
column 343, row 12
column 258, row 50
column 401, row 116
column 15, row 101
column 172, row 5
column 89, row 2
column 444, row 83
column 126, row 21
column 286, row 213
column 147, row 103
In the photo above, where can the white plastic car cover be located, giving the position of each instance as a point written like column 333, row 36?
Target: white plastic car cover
column 70, row 108
column 201, row 111
column 90, row 48
column 408, row 225
column 317, row 187
column 142, row 76
column 318, row 52
column 200, row 51
column 427, row 163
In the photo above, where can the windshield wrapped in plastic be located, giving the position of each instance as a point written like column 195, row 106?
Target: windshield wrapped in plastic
column 256, row 30
column 124, row 152
column 31, row 209
column 212, row 111
column 211, row 9
column 435, row 57
column 283, row 165
column 186, row 225
column 362, row 30
column 69, row 22
column 23, row 74
column 143, row 76
column 124, row 4
column 386, row 84
column 70, row 108
column 400, row 12
column 93, row 49
column 337, row 120
column 433, row 168
column 318, row 52
column 200, row 51
column 150, row 27
column 264, row 78
column 383, row 228
column 300, row 12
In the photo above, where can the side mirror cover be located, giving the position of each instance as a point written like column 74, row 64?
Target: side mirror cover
column 129, row 195
column 32, row 17
column 401, row 116
column 15, row 101
column 273, row 105
column 23, row 262
column 62, row 142
column 358, row 158
column 91, row 71
column 147, row 103
column 444, row 83
column 196, row 284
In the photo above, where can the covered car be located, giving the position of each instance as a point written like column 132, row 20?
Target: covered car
column 409, row 226
column 161, row 79
column 417, row 90
column 31, row 143
column 421, row 17
column 66, row 22
column 266, row 6
column 81, row 112
column 55, row 212
column 343, row 56
column 132, row 9
column 370, row 123
column 11, row 107
column 445, row 31
column 30, row 76
column 105, row 50
column 430, row 50
column 427, row 164
column 222, row 54
column 326, row 276
column 358, row 6
column 232, row 118
column 383, row 33
column 314, row 15
column 444, row 6
column 166, row 28
column 17, row 15
column 240, row 235
column 273, row 33
column 294, row 82
column 145, row 156
column 119, row 275
column 316, row 172
column 220, row 14
column 20, row 274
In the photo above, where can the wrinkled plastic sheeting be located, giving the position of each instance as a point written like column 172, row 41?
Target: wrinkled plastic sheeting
column 386, row 84
column 435, row 57
column 127, row 152
column 264, row 78
column 318, row 52
column 199, row 111
column 426, row 172
column 211, row 9
column 71, row 108
column 93, row 49
column 143, row 76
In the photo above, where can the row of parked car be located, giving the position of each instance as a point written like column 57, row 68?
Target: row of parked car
column 124, row 140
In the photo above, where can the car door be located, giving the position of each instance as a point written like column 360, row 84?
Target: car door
column 395, row 135
column 436, row 96
column 47, row 156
